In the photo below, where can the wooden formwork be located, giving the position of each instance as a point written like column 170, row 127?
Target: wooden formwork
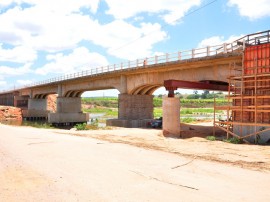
column 249, row 94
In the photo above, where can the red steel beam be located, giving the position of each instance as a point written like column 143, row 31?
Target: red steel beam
column 174, row 84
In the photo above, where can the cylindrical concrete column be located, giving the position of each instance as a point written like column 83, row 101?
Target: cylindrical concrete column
column 171, row 116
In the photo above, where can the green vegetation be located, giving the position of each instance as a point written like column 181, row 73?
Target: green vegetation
column 188, row 120
column 203, row 105
column 211, row 138
column 101, row 101
column 233, row 140
column 37, row 124
column 81, row 126
column 193, row 103
column 84, row 126
column 157, row 112
column 108, row 112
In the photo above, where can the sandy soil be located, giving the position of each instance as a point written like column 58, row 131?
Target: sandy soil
column 52, row 165
column 254, row 157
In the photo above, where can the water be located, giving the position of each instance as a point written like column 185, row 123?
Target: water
column 93, row 117
column 99, row 117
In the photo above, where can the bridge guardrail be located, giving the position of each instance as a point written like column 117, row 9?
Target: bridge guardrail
column 144, row 62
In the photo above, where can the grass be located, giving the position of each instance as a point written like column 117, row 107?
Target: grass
column 101, row 101
column 193, row 103
column 233, row 140
column 38, row 124
column 211, row 138
column 109, row 107
column 187, row 111
column 157, row 112
column 109, row 112
column 188, row 120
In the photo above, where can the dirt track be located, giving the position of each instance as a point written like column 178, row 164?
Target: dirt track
column 46, row 165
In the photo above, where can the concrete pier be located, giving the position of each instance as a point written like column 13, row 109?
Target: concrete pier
column 171, row 117
column 37, row 108
column 135, row 111
column 68, row 111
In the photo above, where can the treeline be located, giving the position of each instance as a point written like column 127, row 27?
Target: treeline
column 112, row 102
column 194, row 103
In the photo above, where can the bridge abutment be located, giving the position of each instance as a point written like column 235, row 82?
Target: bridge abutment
column 171, row 117
column 68, row 111
column 134, row 111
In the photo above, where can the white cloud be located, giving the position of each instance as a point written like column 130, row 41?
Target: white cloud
column 122, row 39
column 169, row 10
column 44, row 29
column 19, row 54
column 59, row 6
column 217, row 40
column 15, row 71
column 252, row 9
column 80, row 59
column 3, row 83
column 24, row 82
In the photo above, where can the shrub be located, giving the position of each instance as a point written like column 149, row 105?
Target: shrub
column 233, row 140
column 81, row 126
column 211, row 138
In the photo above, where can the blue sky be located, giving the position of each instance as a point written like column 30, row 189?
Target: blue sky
column 41, row 39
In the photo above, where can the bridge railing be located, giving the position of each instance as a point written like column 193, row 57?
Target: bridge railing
column 145, row 62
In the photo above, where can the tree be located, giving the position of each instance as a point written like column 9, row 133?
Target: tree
column 205, row 94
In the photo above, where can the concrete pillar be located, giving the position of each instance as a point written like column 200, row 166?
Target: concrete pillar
column 68, row 111
column 135, row 111
column 36, row 108
column 171, row 116
column 133, row 107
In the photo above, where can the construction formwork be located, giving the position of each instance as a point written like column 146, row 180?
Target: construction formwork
column 248, row 111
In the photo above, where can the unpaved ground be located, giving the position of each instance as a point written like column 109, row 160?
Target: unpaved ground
column 254, row 157
column 46, row 165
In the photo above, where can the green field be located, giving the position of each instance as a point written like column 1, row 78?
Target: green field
column 190, row 108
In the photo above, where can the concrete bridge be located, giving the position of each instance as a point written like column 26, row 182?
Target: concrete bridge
column 135, row 80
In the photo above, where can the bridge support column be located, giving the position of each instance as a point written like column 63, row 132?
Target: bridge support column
column 135, row 111
column 68, row 111
column 171, row 117
column 37, row 109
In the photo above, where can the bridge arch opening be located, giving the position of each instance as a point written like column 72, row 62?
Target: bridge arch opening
column 100, row 104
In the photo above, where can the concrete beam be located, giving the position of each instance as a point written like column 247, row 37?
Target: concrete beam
column 174, row 84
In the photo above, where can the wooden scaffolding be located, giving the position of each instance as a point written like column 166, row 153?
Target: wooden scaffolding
column 248, row 109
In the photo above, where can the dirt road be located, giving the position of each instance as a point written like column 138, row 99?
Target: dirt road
column 41, row 165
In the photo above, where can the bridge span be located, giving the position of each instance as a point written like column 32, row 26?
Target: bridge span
column 136, row 81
